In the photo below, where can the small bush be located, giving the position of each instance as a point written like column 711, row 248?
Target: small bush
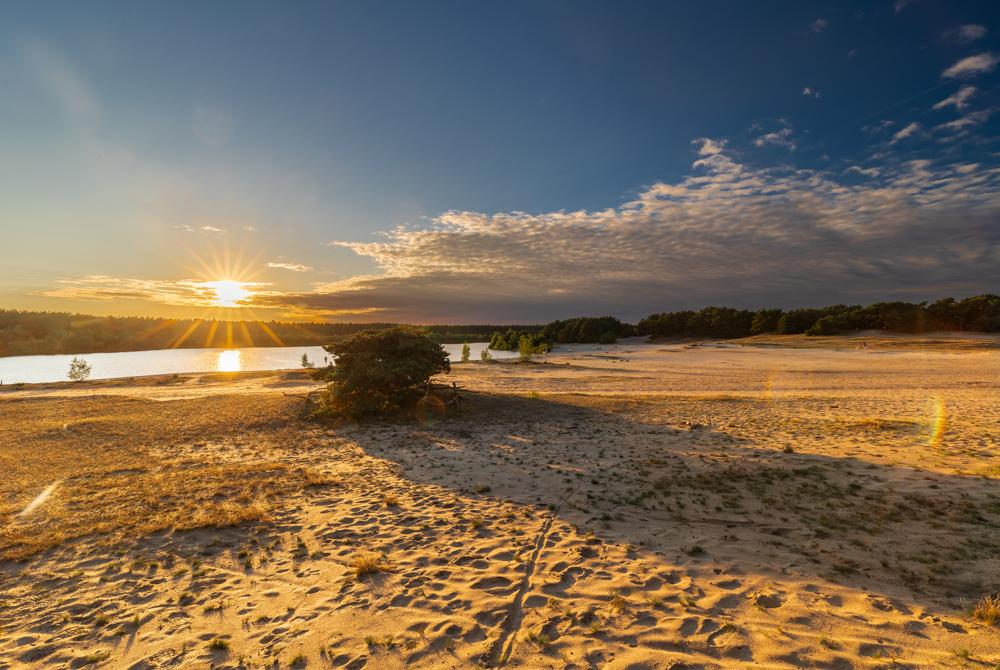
column 79, row 369
column 369, row 563
column 380, row 372
column 218, row 644
column 987, row 609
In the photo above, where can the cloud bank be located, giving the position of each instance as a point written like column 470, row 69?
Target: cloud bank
column 728, row 233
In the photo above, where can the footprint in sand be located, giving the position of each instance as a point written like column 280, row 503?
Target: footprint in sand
column 491, row 583
column 768, row 600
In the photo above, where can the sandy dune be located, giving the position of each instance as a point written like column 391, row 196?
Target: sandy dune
column 635, row 506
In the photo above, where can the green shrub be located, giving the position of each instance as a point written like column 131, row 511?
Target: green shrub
column 511, row 341
column 79, row 369
column 380, row 372
column 525, row 348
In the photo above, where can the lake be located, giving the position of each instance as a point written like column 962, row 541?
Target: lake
column 34, row 369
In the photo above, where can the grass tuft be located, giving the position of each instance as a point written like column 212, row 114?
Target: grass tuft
column 369, row 563
column 987, row 609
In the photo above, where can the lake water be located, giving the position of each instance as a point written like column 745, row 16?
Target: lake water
column 34, row 369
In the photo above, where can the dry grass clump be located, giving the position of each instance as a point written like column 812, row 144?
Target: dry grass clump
column 130, row 467
column 369, row 563
column 987, row 609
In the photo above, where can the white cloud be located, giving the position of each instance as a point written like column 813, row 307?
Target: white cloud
column 879, row 128
column 970, row 120
column 900, row 5
column 966, row 34
column 810, row 92
column 818, row 26
column 212, row 229
column 777, row 138
column 973, row 65
column 907, row 131
column 959, row 99
column 727, row 233
column 709, row 147
column 867, row 172
column 294, row 267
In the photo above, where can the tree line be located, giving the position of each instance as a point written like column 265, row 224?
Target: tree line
column 584, row 329
column 975, row 314
column 25, row 333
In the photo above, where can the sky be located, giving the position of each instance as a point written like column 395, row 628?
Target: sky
column 495, row 162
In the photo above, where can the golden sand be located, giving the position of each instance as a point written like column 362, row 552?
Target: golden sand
column 631, row 506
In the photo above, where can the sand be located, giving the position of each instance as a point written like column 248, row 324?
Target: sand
column 686, row 505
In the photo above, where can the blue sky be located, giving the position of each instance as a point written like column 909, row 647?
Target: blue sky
column 415, row 156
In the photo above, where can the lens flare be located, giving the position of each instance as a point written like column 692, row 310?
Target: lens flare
column 939, row 421
column 41, row 498
column 767, row 391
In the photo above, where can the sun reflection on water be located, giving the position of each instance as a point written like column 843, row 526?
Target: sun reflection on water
column 229, row 361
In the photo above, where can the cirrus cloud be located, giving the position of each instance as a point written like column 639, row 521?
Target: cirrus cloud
column 972, row 65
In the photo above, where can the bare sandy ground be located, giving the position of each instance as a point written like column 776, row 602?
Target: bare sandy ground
column 689, row 505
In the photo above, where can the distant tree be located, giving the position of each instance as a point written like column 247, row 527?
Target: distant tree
column 525, row 348
column 485, row 355
column 765, row 321
column 79, row 369
column 306, row 363
column 604, row 329
column 829, row 325
column 798, row 321
column 511, row 341
column 380, row 372
column 466, row 352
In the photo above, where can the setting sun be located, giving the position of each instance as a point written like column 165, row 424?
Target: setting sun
column 229, row 293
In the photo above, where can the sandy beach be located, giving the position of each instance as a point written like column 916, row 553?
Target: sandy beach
column 763, row 503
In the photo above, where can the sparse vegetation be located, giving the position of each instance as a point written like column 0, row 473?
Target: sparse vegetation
column 218, row 644
column 987, row 609
column 369, row 563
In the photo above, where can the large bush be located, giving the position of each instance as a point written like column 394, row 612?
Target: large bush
column 380, row 372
